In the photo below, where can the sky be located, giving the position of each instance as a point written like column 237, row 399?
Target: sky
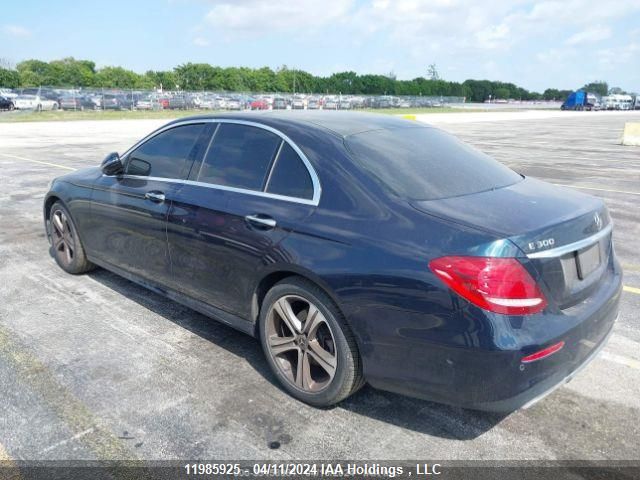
column 560, row 44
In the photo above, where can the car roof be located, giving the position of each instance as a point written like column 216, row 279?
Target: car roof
column 338, row 123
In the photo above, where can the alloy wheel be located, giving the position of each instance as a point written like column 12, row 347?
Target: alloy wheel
column 301, row 343
column 64, row 243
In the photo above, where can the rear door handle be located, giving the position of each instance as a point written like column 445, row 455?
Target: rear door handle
column 155, row 196
column 261, row 221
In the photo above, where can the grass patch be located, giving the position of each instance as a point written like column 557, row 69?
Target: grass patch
column 60, row 115
column 69, row 115
column 420, row 111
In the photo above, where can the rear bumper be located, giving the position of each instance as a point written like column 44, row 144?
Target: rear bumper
column 481, row 368
column 536, row 393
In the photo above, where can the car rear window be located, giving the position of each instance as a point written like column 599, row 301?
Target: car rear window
column 427, row 163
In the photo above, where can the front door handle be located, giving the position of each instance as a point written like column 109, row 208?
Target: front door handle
column 155, row 196
column 261, row 221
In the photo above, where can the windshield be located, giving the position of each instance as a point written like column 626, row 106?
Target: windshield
column 424, row 163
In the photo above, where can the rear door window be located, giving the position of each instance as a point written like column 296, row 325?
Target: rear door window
column 239, row 156
column 426, row 163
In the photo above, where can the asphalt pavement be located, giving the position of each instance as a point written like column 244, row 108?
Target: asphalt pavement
column 95, row 367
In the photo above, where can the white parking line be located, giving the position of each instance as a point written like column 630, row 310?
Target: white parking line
column 597, row 189
column 621, row 360
column 8, row 155
column 64, row 442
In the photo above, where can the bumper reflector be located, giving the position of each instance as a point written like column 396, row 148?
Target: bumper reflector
column 542, row 353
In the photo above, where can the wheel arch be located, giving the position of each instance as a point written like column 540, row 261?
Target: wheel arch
column 270, row 278
column 48, row 203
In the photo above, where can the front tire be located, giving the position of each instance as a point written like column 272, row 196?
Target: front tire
column 308, row 345
column 66, row 245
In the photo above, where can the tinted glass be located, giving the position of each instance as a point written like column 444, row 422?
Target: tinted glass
column 166, row 154
column 426, row 163
column 290, row 176
column 240, row 156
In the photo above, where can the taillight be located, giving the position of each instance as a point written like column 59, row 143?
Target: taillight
column 500, row 285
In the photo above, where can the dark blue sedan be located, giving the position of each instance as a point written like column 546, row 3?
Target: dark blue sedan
column 357, row 248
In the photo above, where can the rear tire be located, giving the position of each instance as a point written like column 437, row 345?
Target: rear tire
column 308, row 344
column 66, row 247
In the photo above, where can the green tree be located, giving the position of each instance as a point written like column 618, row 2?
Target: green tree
column 616, row 91
column 71, row 72
column 600, row 87
column 195, row 76
column 502, row 93
column 9, row 78
column 203, row 76
column 34, row 73
column 555, row 94
column 165, row 79
column 117, row 77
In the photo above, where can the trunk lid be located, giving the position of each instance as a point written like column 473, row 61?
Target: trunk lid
column 565, row 234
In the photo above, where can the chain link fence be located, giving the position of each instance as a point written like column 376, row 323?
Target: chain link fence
column 134, row 99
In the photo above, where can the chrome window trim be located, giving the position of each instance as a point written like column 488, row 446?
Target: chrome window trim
column 273, row 165
column 206, row 152
column 257, row 193
column 571, row 247
column 317, row 188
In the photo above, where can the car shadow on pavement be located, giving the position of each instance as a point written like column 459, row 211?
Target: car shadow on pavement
column 422, row 416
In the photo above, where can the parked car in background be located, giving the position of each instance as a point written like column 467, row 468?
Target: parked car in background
column 330, row 103
column 259, row 104
column 234, row 103
column 164, row 101
column 6, row 103
column 314, row 103
column 208, row 102
column 76, row 102
column 128, row 100
column 357, row 102
column 110, row 101
column 8, row 93
column 344, row 104
column 34, row 102
column 280, row 103
column 177, row 102
column 298, row 103
column 385, row 102
column 148, row 102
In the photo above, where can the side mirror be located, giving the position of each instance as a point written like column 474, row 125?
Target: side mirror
column 112, row 165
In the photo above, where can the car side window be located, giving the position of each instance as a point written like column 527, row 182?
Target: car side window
column 239, row 156
column 166, row 154
column 290, row 176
